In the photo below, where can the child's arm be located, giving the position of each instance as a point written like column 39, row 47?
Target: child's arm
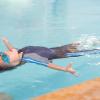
column 68, row 68
column 7, row 43
column 11, row 48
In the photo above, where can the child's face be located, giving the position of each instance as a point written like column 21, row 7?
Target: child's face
column 13, row 55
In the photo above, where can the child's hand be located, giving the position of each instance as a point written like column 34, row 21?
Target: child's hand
column 71, row 70
column 4, row 39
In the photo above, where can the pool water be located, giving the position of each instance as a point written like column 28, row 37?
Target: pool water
column 48, row 23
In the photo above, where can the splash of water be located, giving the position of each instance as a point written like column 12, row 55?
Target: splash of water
column 89, row 42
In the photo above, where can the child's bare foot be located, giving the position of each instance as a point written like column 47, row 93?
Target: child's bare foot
column 70, row 70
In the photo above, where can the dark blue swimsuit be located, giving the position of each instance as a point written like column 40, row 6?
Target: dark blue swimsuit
column 44, row 54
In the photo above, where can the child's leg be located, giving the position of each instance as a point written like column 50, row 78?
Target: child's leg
column 61, row 52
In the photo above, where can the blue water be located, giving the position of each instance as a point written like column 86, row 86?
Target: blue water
column 48, row 23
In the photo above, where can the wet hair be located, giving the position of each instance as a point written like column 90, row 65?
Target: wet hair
column 3, row 69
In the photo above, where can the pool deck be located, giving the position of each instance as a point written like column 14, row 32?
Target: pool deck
column 89, row 90
column 4, row 96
